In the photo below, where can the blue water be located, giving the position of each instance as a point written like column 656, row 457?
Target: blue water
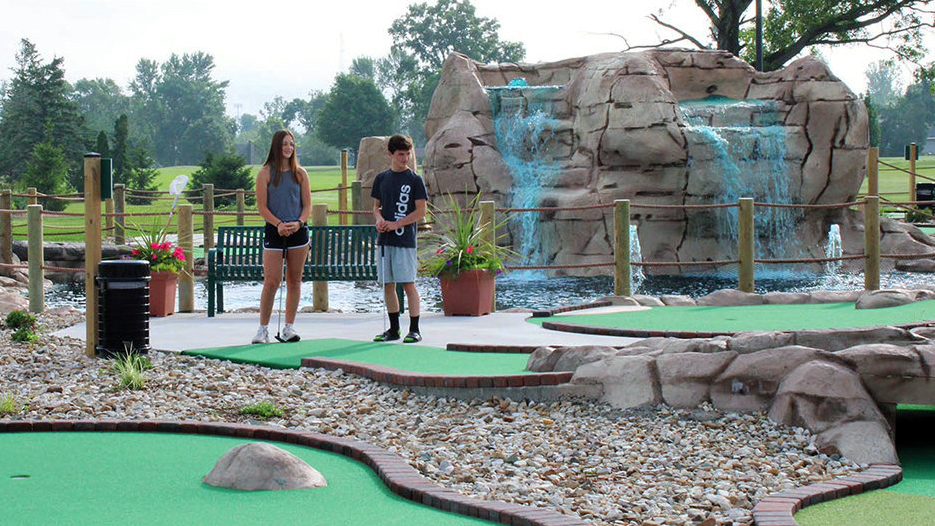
column 524, row 126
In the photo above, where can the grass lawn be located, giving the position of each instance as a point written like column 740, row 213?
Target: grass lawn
column 67, row 228
column 894, row 184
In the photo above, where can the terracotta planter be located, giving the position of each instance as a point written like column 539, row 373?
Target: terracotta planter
column 162, row 285
column 470, row 293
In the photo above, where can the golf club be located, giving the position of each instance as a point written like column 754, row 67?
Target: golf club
column 282, row 282
column 383, row 283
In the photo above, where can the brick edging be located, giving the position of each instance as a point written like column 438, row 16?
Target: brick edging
column 545, row 313
column 391, row 375
column 779, row 509
column 650, row 333
column 492, row 348
column 396, row 474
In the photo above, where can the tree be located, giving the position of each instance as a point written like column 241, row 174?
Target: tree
column 883, row 85
column 37, row 107
column 355, row 108
column 422, row 39
column 139, row 174
column 873, row 119
column 121, row 149
column 100, row 102
column 792, row 26
column 364, row 67
column 909, row 120
column 101, row 146
column 46, row 170
column 227, row 170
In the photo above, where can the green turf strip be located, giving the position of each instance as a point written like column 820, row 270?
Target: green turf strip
column 417, row 358
column 735, row 318
column 874, row 508
column 155, row 478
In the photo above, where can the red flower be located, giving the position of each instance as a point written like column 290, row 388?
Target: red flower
column 440, row 250
column 470, row 248
column 135, row 251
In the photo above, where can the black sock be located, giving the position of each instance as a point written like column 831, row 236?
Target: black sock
column 413, row 324
column 394, row 322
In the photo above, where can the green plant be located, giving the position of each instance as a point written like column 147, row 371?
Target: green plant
column 20, row 318
column 130, row 368
column 458, row 240
column 262, row 410
column 9, row 405
column 25, row 335
column 161, row 254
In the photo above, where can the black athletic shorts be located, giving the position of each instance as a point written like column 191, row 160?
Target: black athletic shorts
column 273, row 241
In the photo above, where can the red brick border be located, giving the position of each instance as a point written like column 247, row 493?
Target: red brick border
column 391, row 375
column 400, row 477
column 492, row 348
column 779, row 509
column 545, row 313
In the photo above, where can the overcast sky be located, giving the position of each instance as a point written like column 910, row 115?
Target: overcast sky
column 290, row 47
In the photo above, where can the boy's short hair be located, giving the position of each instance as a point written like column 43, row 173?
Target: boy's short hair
column 398, row 142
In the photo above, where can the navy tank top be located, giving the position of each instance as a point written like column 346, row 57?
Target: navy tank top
column 285, row 200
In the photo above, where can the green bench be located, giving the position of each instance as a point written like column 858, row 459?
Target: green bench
column 338, row 253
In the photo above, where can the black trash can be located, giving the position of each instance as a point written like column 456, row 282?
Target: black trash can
column 925, row 192
column 122, row 307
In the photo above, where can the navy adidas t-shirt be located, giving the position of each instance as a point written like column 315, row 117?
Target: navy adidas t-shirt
column 398, row 193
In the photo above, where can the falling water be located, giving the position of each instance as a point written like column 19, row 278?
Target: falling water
column 524, row 127
column 834, row 248
column 744, row 144
column 636, row 272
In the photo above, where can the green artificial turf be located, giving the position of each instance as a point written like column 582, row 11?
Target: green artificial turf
column 874, row 508
column 417, row 358
column 155, row 478
column 735, row 318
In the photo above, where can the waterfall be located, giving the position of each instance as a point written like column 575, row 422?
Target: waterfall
column 636, row 272
column 741, row 145
column 833, row 249
column 524, row 127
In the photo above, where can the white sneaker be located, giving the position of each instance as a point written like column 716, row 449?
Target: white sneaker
column 289, row 334
column 262, row 336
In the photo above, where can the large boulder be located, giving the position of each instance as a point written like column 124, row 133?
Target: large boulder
column 686, row 377
column 259, row 465
column 863, row 442
column 627, row 381
column 881, row 299
column 546, row 359
column 373, row 158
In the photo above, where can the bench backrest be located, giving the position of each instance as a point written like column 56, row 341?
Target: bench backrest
column 338, row 253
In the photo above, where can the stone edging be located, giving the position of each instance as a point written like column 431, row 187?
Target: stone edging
column 779, row 509
column 545, row 313
column 492, row 348
column 649, row 333
column 400, row 477
column 391, row 375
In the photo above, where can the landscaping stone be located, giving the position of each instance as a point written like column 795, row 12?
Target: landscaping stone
column 648, row 301
column 881, row 299
column 686, row 377
column 261, row 466
column 10, row 301
column 861, row 442
column 570, row 358
column 730, row 297
column 749, row 342
column 681, row 345
column 842, row 338
column 785, row 298
column 628, row 381
column 834, row 296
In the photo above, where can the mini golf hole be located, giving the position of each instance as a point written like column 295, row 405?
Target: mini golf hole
column 19, row 477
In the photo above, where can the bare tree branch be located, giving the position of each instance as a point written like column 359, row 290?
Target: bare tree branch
column 685, row 36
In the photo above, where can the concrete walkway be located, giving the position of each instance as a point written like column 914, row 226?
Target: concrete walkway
column 195, row 330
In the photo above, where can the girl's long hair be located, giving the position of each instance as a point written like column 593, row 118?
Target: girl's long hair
column 274, row 158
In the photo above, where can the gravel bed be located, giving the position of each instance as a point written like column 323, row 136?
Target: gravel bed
column 650, row 467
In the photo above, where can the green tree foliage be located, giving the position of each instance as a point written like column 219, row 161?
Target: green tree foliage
column 100, row 102
column 35, row 97
column 422, row 39
column 314, row 152
column 873, row 118
column 227, row 170
column 364, row 67
column 101, row 145
column 46, row 170
column 139, row 174
column 121, row 153
column 883, row 84
column 179, row 108
column 908, row 120
column 355, row 108
column 792, row 26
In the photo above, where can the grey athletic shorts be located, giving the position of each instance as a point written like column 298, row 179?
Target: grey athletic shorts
column 400, row 264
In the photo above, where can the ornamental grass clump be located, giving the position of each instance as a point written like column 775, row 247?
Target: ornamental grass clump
column 130, row 369
column 10, row 406
column 457, row 241
column 262, row 410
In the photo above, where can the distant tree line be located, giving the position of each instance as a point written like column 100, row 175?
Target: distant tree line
column 899, row 116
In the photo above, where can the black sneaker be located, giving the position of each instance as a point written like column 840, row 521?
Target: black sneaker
column 412, row 337
column 387, row 336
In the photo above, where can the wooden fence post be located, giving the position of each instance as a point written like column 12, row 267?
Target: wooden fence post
column 489, row 226
column 36, row 259
column 108, row 215
column 208, row 217
column 872, row 243
column 186, row 241
column 913, row 150
column 120, row 207
column 6, row 227
column 622, row 247
column 873, row 171
column 92, row 245
column 32, row 199
column 320, row 288
column 355, row 201
column 342, row 194
column 241, row 205
column 746, row 241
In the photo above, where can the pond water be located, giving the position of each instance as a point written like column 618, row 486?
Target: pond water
column 533, row 293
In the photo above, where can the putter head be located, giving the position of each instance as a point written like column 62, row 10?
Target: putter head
column 279, row 338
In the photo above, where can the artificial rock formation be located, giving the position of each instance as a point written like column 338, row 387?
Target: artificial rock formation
column 619, row 131
column 258, row 466
column 373, row 158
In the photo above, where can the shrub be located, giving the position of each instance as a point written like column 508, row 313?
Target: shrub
column 224, row 171
column 19, row 318
column 262, row 410
column 9, row 405
column 25, row 335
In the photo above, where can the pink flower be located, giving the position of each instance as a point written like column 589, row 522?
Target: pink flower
column 470, row 248
column 135, row 251
column 153, row 244
column 153, row 257
column 440, row 250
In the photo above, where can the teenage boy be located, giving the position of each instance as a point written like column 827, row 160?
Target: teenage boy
column 399, row 199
